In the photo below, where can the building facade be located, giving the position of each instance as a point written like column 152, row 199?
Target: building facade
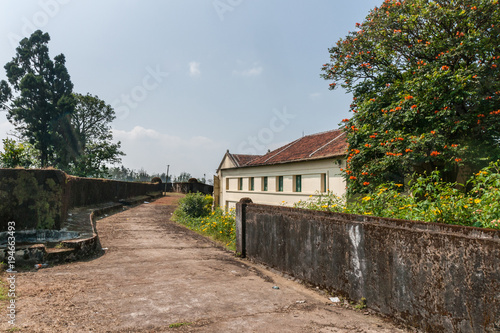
column 309, row 166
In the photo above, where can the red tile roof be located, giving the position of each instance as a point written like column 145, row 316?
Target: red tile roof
column 241, row 160
column 311, row 147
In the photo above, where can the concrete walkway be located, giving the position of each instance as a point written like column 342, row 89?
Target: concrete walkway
column 159, row 277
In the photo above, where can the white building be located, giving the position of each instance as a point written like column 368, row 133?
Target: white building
column 305, row 167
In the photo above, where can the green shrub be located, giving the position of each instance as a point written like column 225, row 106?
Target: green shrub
column 194, row 205
column 428, row 199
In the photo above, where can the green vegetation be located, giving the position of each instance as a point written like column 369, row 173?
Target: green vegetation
column 91, row 123
column 18, row 154
column 57, row 127
column 39, row 101
column 361, row 304
column 176, row 325
column 195, row 212
column 4, row 291
column 425, row 77
column 428, row 199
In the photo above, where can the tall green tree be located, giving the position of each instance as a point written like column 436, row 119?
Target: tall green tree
column 425, row 76
column 38, row 98
column 91, row 123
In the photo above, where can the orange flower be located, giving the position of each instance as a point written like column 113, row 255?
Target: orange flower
column 368, row 145
column 435, row 153
column 445, row 68
column 433, row 132
column 408, row 150
column 413, row 106
column 458, row 160
column 352, row 177
column 366, row 183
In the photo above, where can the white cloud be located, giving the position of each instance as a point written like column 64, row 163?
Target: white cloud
column 152, row 150
column 254, row 71
column 194, row 69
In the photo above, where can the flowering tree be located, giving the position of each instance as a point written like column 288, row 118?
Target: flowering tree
column 425, row 76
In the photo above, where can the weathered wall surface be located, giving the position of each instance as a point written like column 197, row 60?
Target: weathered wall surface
column 32, row 198
column 40, row 199
column 90, row 191
column 190, row 188
column 439, row 278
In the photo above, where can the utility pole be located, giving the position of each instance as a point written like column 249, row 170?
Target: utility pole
column 166, row 179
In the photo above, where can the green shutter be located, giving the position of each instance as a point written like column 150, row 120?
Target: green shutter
column 298, row 183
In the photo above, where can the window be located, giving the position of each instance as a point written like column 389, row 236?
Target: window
column 240, row 184
column 323, row 182
column 252, row 184
column 297, row 183
column 279, row 184
column 264, row 183
column 227, row 183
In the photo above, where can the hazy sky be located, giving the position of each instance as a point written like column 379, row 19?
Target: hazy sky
column 190, row 79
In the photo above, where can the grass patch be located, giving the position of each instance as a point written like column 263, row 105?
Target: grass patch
column 4, row 291
column 176, row 325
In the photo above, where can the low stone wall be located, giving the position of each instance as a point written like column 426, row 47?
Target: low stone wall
column 439, row 278
column 190, row 188
column 40, row 199
column 90, row 191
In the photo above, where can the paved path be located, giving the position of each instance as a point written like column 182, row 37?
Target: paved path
column 156, row 273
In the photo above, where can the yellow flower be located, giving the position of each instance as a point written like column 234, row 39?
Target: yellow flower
column 477, row 201
column 398, row 185
column 366, row 198
column 465, row 206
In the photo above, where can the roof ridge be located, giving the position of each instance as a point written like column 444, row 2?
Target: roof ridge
column 288, row 146
column 326, row 144
column 319, row 133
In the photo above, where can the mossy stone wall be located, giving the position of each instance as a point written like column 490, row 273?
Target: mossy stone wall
column 40, row 199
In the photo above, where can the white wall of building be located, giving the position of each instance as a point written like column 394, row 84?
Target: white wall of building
column 311, row 173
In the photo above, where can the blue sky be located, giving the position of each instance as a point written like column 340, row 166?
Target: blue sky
column 190, row 79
